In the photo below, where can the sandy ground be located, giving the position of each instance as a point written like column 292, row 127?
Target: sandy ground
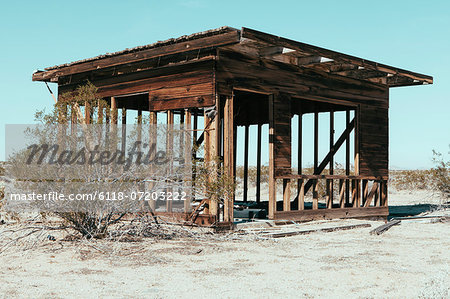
column 411, row 260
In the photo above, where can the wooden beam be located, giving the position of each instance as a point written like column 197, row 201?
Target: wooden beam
column 321, row 214
column 252, row 73
column 382, row 228
column 332, row 177
column 172, row 48
column 371, row 194
column 365, row 191
column 339, row 57
column 309, row 231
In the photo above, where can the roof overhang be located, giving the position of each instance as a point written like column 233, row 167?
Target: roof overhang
column 259, row 43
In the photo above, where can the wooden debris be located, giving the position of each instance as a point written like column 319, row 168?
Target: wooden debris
column 305, row 232
column 382, row 228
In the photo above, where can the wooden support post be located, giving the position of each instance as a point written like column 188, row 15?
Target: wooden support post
column 153, row 143
column 342, row 191
column 246, row 162
column 356, row 193
column 207, row 153
column 356, row 161
column 356, row 141
column 187, row 157
column 139, row 129
column 169, row 146
column 384, row 194
column 315, row 205
column 215, row 152
column 354, row 200
column 365, row 191
column 87, row 112
column 206, row 136
column 377, row 196
column 139, row 117
column 258, row 165
column 301, row 195
column 195, row 131
column 347, row 160
column 74, row 120
column 330, row 189
column 332, row 141
column 234, row 155
column 107, row 114
column 299, row 152
column 113, row 110
column 211, row 155
column 272, row 180
column 229, row 155
column 329, row 197
column 124, row 130
column 316, row 140
column 286, row 194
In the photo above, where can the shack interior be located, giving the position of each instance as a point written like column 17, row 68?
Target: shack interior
column 218, row 81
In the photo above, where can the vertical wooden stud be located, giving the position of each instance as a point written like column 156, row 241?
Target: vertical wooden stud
column 272, row 180
column 286, row 194
column 246, row 162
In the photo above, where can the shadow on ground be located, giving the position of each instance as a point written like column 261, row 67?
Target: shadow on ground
column 412, row 210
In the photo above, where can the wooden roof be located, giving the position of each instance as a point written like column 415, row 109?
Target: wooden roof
column 251, row 41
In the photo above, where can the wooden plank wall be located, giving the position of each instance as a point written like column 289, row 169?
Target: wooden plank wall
column 282, row 133
column 374, row 140
column 182, row 85
column 254, row 73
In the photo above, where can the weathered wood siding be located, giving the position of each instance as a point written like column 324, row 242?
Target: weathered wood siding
column 183, row 85
column 374, row 139
column 282, row 133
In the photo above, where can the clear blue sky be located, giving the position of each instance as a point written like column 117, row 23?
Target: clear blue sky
column 408, row 34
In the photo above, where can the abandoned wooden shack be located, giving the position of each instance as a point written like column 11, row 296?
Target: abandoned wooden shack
column 255, row 79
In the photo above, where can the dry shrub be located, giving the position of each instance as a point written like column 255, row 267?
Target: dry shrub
column 436, row 178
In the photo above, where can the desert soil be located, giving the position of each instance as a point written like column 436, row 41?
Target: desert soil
column 411, row 260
